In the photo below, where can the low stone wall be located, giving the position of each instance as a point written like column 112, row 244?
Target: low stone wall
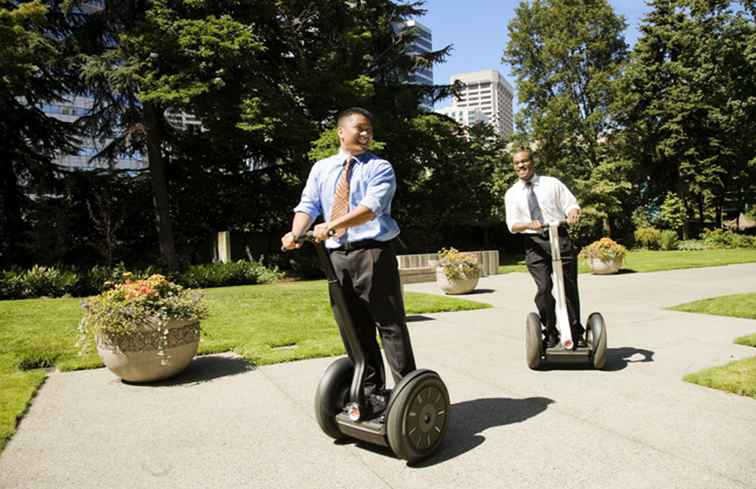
column 422, row 267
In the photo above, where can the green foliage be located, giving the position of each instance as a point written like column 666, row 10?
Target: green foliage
column 687, row 107
column 719, row 238
column 649, row 238
column 566, row 56
column 668, row 240
column 458, row 265
column 56, row 282
column 240, row 272
column 691, row 245
column 38, row 66
column 673, row 212
column 38, row 281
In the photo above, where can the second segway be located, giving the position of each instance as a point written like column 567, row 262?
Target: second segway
column 412, row 419
column 537, row 354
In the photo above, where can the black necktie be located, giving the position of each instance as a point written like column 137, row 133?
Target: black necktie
column 535, row 209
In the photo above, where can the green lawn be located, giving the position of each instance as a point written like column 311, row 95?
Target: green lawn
column 250, row 320
column 738, row 377
column 657, row 261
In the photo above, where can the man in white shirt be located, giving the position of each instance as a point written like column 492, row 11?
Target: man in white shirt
column 531, row 203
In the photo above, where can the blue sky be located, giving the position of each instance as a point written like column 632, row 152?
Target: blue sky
column 477, row 29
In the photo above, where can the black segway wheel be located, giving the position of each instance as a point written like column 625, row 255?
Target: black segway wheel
column 332, row 394
column 533, row 341
column 596, row 336
column 418, row 416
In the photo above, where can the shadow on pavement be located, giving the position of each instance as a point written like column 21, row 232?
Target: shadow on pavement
column 466, row 423
column 203, row 369
column 469, row 419
column 417, row 317
column 618, row 358
column 480, row 291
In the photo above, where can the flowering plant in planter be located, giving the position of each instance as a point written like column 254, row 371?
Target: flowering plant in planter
column 151, row 320
column 458, row 265
column 604, row 249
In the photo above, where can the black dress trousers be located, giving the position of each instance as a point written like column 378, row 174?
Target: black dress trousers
column 372, row 290
column 538, row 259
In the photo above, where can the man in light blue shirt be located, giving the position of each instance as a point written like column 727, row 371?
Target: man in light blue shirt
column 353, row 190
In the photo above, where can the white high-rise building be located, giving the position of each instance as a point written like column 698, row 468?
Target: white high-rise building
column 423, row 43
column 488, row 92
column 463, row 115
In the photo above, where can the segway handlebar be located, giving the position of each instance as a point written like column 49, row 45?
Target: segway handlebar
column 308, row 236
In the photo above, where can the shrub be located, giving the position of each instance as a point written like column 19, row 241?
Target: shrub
column 42, row 281
column 241, row 272
column 719, row 238
column 691, row 245
column 648, row 238
column 458, row 265
column 673, row 212
column 604, row 249
column 668, row 240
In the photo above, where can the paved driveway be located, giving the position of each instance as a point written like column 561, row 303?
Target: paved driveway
column 225, row 424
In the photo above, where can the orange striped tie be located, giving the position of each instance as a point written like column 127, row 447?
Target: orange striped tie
column 341, row 197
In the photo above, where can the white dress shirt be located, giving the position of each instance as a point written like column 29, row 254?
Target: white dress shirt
column 554, row 198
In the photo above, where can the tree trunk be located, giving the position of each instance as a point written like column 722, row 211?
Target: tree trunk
column 159, row 181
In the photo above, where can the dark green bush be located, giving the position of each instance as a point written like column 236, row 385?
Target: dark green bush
column 648, row 238
column 56, row 282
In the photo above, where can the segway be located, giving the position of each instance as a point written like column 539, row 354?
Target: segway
column 413, row 422
column 538, row 355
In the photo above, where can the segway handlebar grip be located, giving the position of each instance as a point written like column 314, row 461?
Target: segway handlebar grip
column 308, row 236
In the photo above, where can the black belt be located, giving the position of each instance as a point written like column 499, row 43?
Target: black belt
column 365, row 243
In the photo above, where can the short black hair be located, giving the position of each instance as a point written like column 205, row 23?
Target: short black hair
column 351, row 111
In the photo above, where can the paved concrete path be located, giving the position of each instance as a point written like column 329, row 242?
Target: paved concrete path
column 224, row 424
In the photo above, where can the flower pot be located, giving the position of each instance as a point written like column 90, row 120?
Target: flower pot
column 457, row 286
column 604, row 267
column 150, row 354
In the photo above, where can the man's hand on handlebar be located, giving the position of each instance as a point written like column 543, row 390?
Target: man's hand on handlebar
column 535, row 225
column 289, row 242
column 573, row 216
column 322, row 231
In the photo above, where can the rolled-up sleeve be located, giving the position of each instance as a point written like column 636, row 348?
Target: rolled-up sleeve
column 380, row 189
column 310, row 201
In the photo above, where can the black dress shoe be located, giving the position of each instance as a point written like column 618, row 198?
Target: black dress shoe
column 552, row 340
column 580, row 342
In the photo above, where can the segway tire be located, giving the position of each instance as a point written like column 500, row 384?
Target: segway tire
column 331, row 396
column 596, row 335
column 418, row 416
column 533, row 341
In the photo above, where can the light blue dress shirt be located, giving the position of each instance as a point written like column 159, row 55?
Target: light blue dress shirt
column 372, row 183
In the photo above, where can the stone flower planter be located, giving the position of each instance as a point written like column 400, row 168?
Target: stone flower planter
column 140, row 357
column 459, row 286
column 604, row 267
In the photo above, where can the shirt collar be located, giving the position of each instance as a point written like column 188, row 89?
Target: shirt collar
column 533, row 179
column 343, row 155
